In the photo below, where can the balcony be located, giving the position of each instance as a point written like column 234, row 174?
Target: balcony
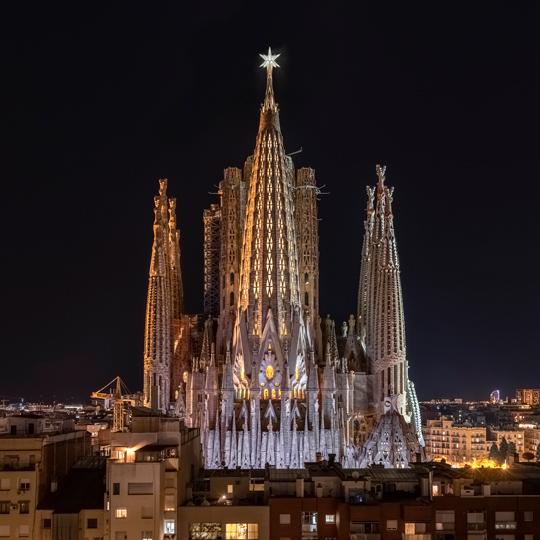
column 477, row 527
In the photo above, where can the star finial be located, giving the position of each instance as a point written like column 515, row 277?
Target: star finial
column 269, row 60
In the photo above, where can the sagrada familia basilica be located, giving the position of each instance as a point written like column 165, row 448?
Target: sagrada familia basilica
column 267, row 380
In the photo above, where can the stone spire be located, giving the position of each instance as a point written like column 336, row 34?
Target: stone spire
column 177, row 289
column 269, row 273
column 380, row 311
column 157, row 338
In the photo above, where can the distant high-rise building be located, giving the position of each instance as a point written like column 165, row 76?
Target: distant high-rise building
column 269, row 382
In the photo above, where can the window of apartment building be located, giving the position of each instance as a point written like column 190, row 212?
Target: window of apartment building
column 120, row 535
column 170, row 505
column 230, row 489
column 91, row 523
column 505, row 520
column 528, row 537
column 24, row 531
column 365, row 527
column 24, row 507
column 391, row 524
column 309, row 522
column 4, row 507
column 284, row 519
column 5, row 484
column 147, row 512
column 444, row 520
column 140, row 488
column 499, row 536
column 330, row 519
column 47, row 523
column 146, row 535
column 415, row 528
column 24, row 484
column 528, row 515
column 169, row 526
column 476, row 521
column 5, row 531
column 121, row 513
column 205, row 531
column 242, row 531
column 116, row 488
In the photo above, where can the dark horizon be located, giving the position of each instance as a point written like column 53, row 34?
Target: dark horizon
column 102, row 102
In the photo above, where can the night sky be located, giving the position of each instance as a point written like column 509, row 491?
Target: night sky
column 98, row 102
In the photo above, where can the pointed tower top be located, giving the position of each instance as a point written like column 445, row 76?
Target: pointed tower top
column 381, row 173
column 269, row 62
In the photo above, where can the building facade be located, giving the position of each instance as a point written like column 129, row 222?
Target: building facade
column 456, row 444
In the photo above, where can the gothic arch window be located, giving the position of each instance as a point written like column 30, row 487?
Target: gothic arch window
column 306, row 298
column 231, row 278
column 231, row 299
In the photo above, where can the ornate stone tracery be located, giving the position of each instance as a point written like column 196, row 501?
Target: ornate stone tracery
column 264, row 377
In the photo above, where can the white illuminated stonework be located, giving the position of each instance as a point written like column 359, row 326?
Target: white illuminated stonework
column 266, row 380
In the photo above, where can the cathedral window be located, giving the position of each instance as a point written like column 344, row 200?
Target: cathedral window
column 231, row 299
column 306, row 298
column 231, row 278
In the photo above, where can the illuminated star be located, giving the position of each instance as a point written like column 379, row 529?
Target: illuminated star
column 269, row 60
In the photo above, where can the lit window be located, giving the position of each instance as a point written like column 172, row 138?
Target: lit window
column 284, row 519
column 391, row 524
column 330, row 518
column 230, row 489
column 242, row 531
column 170, row 526
column 24, row 507
column 309, row 522
column 146, row 535
column 121, row 513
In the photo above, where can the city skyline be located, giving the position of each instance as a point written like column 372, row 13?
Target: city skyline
column 87, row 289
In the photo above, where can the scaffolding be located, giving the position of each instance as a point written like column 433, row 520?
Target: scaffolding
column 212, row 240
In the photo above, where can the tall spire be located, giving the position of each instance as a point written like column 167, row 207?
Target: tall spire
column 380, row 302
column 157, row 338
column 177, row 291
column 269, row 274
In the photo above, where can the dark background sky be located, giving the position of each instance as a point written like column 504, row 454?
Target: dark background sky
column 99, row 101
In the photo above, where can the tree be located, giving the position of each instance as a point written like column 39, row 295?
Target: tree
column 494, row 452
column 528, row 456
column 511, row 448
column 503, row 450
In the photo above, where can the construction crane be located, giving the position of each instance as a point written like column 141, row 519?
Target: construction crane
column 116, row 396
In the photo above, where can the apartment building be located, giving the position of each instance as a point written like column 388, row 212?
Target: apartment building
column 147, row 475
column 32, row 463
column 455, row 443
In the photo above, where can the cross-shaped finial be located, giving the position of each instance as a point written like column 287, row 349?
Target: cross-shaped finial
column 269, row 60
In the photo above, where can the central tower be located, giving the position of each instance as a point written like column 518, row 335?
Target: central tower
column 270, row 339
column 269, row 272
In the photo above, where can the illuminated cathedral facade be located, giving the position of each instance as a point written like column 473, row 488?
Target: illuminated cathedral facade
column 267, row 381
